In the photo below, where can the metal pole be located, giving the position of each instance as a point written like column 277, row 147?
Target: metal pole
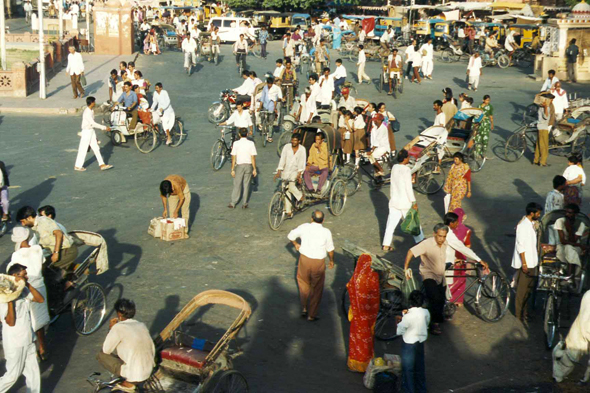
column 2, row 36
column 61, row 20
column 41, row 52
column 87, row 24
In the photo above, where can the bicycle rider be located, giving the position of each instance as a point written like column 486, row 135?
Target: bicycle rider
column 394, row 67
column 189, row 48
column 291, row 168
column 379, row 144
column 240, row 49
column 271, row 94
column 239, row 119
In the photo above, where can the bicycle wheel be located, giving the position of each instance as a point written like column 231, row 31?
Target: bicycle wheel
column 146, row 139
column 503, row 61
column 218, row 155
column 284, row 139
column 256, row 50
column 177, row 133
column 352, row 176
column 89, row 309
column 428, row 180
column 515, row 146
column 276, row 210
column 230, row 381
column 391, row 306
column 551, row 321
column 394, row 88
column 447, row 55
column 476, row 160
column 492, row 297
column 217, row 113
column 530, row 114
column 337, row 197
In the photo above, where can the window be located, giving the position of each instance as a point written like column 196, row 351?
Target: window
column 216, row 22
column 227, row 23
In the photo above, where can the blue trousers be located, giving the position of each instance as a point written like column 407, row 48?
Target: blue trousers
column 337, row 85
column 413, row 369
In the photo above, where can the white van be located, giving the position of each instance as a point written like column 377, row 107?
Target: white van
column 229, row 27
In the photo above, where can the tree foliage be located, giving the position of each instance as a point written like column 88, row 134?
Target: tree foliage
column 287, row 4
column 572, row 3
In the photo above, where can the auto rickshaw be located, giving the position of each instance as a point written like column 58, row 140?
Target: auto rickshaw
column 211, row 11
column 440, row 30
column 383, row 22
column 525, row 33
column 301, row 20
column 425, row 29
column 280, row 25
column 491, row 27
column 262, row 18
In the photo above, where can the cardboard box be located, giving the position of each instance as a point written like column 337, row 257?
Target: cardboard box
column 170, row 234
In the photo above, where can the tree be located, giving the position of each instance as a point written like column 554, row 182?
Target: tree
column 572, row 3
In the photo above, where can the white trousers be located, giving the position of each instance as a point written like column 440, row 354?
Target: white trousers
column 427, row 67
column 447, row 201
column 188, row 56
column 361, row 73
column 292, row 191
column 569, row 254
column 21, row 361
column 395, row 215
column 88, row 139
column 474, row 81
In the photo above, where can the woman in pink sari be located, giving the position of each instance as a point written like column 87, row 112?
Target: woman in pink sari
column 464, row 234
column 363, row 290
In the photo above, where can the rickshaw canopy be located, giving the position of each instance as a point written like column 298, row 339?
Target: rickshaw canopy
column 551, row 217
column 465, row 114
column 309, row 131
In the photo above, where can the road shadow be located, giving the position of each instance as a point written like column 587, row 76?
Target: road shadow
column 165, row 315
column 35, row 195
column 461, row 82
column 194, row 208
column 119, row 265
column 381, row 208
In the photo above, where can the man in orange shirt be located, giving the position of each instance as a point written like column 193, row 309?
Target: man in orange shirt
column 174, row 190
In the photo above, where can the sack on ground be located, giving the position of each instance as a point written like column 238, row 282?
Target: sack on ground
column 155, row 228
column 411, row 224
column 385, row 382
column 372, row 371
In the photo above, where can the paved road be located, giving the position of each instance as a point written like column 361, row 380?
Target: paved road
column 234, row 249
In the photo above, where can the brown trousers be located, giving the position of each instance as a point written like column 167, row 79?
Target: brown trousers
column 111, row 363
column 311, row 274
column 185, row 209
column 542, row 147
column 67, row 258
column 76, row 85
column 525, row 285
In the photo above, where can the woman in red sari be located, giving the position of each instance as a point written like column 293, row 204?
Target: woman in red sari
column 363, row 290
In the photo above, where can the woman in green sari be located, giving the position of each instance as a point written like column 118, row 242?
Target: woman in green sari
column 486, row 126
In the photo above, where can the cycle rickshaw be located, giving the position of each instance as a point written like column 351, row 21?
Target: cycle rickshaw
column 182, row 356
column 333, row 190
column 491, row 298
column 398, row 80
column 553, row 278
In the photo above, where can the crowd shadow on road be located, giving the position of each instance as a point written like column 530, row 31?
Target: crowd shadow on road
column 461, row 82
column 34, row 196
column 117, row 251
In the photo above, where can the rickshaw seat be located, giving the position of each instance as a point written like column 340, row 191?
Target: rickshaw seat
column 185, row 355
column 457, row 133
column 415, row 151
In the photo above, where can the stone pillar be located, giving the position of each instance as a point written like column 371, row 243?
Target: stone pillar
column 113, row 28
column 19, row 80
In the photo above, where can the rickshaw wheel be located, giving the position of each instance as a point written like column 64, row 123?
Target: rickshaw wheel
column 551, row 321
column 381, row 82
column 515, row 147
column 352, row 177
column 400, row 85
column 116, row 138
column 177, row 133
column 391, row 306
column 276, row 211
column 230, row 381
column 492, row 298
column 146, row 140
column 447, row 55
column 503, row 61
column 429, row 182
column 218, row 156
column 285, row 137
column 89, row 309
column 337, row 197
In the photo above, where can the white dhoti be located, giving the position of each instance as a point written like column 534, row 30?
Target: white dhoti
column 21, row 361
column 39, row 311
column 569, row 254
column 168, row 119
column 427, row 66
column 292, row 191
column 395, row 215
column 474, row 80
column 189, row 58
column 88, row 139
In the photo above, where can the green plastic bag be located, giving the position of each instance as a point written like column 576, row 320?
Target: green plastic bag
column 411, row 224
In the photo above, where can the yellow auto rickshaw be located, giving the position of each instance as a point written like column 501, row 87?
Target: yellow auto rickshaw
column 526, row 33
column 263, row 18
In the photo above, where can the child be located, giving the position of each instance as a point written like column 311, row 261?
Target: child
column 413, row 326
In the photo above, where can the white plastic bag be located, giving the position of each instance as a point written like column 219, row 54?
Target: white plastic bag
column 372, row 371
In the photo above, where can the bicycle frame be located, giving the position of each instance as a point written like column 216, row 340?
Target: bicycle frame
column 478, row 280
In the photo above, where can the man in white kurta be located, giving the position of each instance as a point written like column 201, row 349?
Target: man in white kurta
column 88, row 138
column 401, row 198
column 189, row 48
column 161, row 103
column 326, row 83
column 560, row 102
column 525, row 258
column 75, row 70
column 427, row 51
column 290, row 169
column 550, row 81
column 474, row 71
column 307, row 107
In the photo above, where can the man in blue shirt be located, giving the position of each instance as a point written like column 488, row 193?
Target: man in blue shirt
column 129, row 101
column 263, row 39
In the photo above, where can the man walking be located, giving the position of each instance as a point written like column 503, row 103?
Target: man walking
column 427, row 51
column 175, row 192
column 263, row 39
column 20, row 351
column 88, row 138
column 290, row 169
column 571, row 54
column 243, row 167
column 401, row 198
column 75, row 70
column 361, row 63
column 28, row 7
column 544, row 117
column 525, row 258
column 474, row 71
column 316, row 244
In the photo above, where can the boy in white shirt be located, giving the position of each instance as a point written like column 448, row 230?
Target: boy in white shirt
column 279, row 69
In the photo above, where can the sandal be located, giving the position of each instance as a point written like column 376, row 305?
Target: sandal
column 105, row 167
column 79, row 169
column 314, row 319
column 387, row 248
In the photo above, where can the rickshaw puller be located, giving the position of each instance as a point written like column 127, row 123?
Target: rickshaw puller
column 379, row 143
column 291, row 168
column 569, row 247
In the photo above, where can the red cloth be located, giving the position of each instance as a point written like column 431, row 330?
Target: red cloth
column 364, row 293
column 468, row 175
column 458, row 286
column 368, row 25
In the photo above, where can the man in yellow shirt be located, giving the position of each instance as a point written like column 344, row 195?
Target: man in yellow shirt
column 318, row 160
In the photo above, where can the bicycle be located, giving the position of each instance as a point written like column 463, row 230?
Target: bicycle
column 221, row 150
column 241, row 57
column 151, row 134
column 267, row 120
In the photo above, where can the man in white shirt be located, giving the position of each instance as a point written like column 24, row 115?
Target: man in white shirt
column 427, row 51
column 215, row 42
column 474, row 71
column 326, row 84
column 290, row 169
column 240, row 49
column 75, row 70
column 385, row 38
column 88, row 138
column 525, row 258
column 409, row 59
column 347, row 100
column 279, row 68
column 316, row 91
column 379, row 143
column 288, row 48
column 28, row 7
column 307, row 107
column 401, row 198
column 135, row 348
column 510, row 44
column 161, row 103
column 245, row 91
column 243, row 167
column 195, row 33
column 189, row 48
column 439, row 119
column 361, row 63
column 394, row 68
column 20, row 351
column 560, row 102
column 362, row 36
column 240, row 119
column 271, row 94
column 316, row 244
column 569, row 244
column 550, row 81
column 339, row 76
